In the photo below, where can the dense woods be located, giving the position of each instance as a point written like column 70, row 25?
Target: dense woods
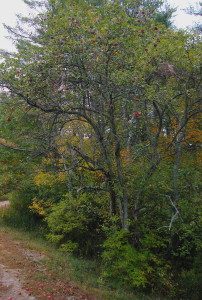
column 100, row 139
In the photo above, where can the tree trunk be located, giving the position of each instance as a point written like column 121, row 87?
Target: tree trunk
column 123, row 199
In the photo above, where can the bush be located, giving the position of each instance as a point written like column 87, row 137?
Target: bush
column 190, row 286
column 122, row 263
column 76, row 223
column 139, row 268
column 19, row 214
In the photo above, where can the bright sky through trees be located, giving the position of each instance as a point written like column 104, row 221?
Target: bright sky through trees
column 10, row 8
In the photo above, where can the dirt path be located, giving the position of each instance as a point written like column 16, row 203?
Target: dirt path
column 24, row 276
column 10, row 285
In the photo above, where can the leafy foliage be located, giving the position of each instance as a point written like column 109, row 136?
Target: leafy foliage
column 100, row 139
column 75, row 223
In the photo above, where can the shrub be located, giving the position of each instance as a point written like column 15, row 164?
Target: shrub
column 19, row 214
column 77, row 220
column 135, row 268
column 190, row 285
column 122, row 263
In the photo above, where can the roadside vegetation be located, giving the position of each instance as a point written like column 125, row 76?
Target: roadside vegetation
column 100, row 143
